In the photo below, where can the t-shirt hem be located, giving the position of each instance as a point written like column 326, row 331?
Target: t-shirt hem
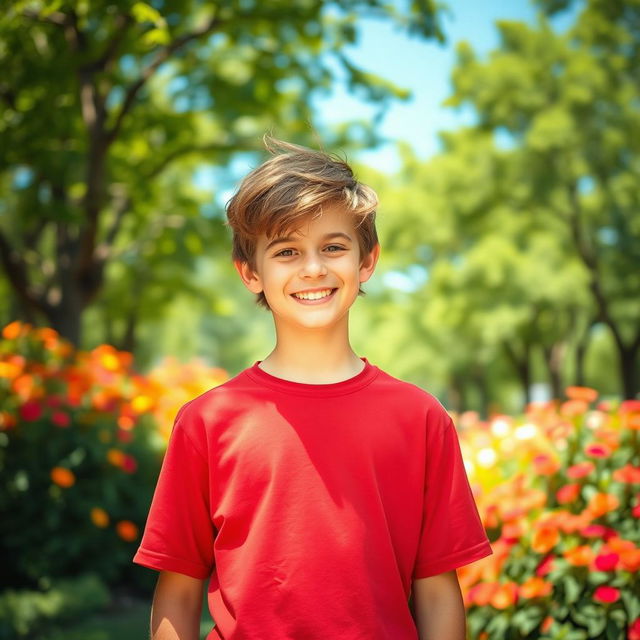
column 161, row 562
column 454, row 561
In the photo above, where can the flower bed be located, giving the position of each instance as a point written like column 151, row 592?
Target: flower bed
column 559, row 494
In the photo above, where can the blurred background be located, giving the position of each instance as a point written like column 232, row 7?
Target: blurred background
column 502, row 140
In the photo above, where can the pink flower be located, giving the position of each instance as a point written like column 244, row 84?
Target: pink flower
column 606, row 561
column 60, row 419
column 606, row 594
column 598, row 450
column 597, row 531
column 30, row 411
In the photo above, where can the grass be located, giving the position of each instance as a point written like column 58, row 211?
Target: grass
column 126, row 619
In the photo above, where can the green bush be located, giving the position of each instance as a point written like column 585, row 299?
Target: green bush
column 26, row 613
column 79, row 457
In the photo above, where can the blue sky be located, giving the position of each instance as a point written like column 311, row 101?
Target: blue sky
column 425, row 68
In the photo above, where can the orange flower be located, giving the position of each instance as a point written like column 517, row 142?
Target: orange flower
column 481, row 593
column 580, row 556
column 630, row 559
column 115, row 457
column 620, row 545
column 126, row 422
column 628, row 473
column 12, row 331
column 505, row 596
column 586, row 394
column 602, row 503
column 127, row 530
column 535, row 587
column 546, row 624
column 63, row 477
column 10, row 370
column 573, row 522
column 568, row 493
column 574, row 407
column 99, row 517
column 7, row 420
column 545, row 538
column 545, row 465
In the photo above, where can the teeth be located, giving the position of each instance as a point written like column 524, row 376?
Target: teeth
column 313, row 295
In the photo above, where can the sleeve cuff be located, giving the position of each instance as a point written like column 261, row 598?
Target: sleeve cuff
column 453, row 561
column 161, row 562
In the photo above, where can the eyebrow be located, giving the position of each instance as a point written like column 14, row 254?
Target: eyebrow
column 336, row 234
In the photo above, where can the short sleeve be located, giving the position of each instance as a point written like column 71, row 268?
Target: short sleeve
column 452, row 532
column 179, row 533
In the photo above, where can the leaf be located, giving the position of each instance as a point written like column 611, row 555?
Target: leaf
column 571, row 589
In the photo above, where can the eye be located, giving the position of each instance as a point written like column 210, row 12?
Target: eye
column 284, row 253
column 334, row 248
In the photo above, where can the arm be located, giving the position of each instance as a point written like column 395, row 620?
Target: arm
column 439, row 609
column 177, row 604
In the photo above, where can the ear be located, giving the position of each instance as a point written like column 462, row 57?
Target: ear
column 249, row 277
column 368, row 263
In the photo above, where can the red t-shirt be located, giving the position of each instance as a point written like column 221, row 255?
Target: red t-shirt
column 311, row 507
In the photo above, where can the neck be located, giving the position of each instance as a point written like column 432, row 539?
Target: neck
column 313, row 356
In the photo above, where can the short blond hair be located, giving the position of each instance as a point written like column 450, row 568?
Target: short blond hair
column 294, row 185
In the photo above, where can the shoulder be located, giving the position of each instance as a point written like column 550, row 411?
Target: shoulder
column 214, row 406
column 408, row 393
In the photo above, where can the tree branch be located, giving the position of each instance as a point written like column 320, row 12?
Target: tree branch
column 247, row 145
column 591, row 262
column 162, row 56
column 16, row 271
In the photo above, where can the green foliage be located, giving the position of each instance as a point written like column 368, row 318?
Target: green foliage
column 109, row 109
column 25, row 613
column 525, row 226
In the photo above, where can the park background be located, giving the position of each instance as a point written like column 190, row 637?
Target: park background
column 502, row 139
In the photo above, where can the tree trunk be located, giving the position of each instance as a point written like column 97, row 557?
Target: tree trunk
column 553, row 357
column 629, row 367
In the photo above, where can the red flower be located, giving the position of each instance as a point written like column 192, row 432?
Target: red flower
column 30, row 411
column 606, row 561
column 606, row 594
column 580, row 470
column 629, row 406
column 129, row 464
column 545, row 566
column 60, row 419
column 634, row 630
column 568, row 493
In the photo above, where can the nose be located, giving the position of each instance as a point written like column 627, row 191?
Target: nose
column 312, row 266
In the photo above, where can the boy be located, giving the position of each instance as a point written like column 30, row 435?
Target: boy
column 316, row 493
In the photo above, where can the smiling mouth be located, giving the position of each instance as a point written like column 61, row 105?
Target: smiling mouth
column 313, row 295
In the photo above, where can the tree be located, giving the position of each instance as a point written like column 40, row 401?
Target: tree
column 105, row 103
column 568, row 106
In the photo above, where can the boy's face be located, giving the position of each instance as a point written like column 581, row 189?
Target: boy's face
column 312, row 276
